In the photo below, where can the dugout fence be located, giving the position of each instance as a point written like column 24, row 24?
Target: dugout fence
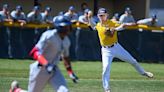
column 16, row 42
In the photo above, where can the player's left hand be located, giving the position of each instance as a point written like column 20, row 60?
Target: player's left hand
column 73, row 77
column 50, row 68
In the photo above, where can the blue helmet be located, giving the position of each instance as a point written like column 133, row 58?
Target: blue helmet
column 60, row 22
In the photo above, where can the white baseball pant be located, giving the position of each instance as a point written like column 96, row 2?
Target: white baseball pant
column 107, row 57
column 39, row 77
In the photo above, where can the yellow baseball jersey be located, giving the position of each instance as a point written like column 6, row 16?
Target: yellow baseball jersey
column 106, row 40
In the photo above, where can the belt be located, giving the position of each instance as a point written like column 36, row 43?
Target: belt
column 110, row 46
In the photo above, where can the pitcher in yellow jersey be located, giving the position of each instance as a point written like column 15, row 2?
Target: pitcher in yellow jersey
column 107, row 32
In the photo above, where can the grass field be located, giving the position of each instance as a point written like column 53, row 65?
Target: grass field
column 124, row 78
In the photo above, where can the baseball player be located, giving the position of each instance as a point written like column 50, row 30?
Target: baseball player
column 35, row 15
column 107, row 33
column 71, row 14
column 52, row 45
column 127, row 17
column 5, row 14
column 18, row 15
column 46, row 16
column 83, row 18
column 152, row 21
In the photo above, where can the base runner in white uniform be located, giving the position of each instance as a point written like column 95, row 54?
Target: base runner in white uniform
column 52, row 45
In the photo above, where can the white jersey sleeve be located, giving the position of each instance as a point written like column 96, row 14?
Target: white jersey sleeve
column 13, row 14
column 144, row 21
column 82, row 19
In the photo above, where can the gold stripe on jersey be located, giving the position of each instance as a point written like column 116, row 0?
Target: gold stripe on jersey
column 106, row 40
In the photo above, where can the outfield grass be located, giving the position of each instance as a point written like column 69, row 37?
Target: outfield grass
column 124, row 78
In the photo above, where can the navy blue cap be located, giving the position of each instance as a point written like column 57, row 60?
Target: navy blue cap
column 36, row 8
column 116, row 15
column 72, row 8
column 127, row 9
column 61, row 13
column 19, row 8
column 48, row 8
column 6, row 6
column 86, row 10
column 102, row 11
column 154, row 16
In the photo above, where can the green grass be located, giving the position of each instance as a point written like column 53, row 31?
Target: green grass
column 124, row 78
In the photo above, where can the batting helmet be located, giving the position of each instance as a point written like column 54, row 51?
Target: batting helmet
column 60, row 22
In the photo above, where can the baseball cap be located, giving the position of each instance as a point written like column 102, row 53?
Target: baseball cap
column 19, row 8
column 154, row 16
column 86, row 10
column 72, row 8
column 116, row 15
column 48, row 8
column 6, row 6
column 127, row 9
column 36, row 8
column 61, row 13
column 102, row 11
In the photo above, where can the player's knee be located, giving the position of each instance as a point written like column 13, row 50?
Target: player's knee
column 105, row 70
column 134, row 62
column 62, row 89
